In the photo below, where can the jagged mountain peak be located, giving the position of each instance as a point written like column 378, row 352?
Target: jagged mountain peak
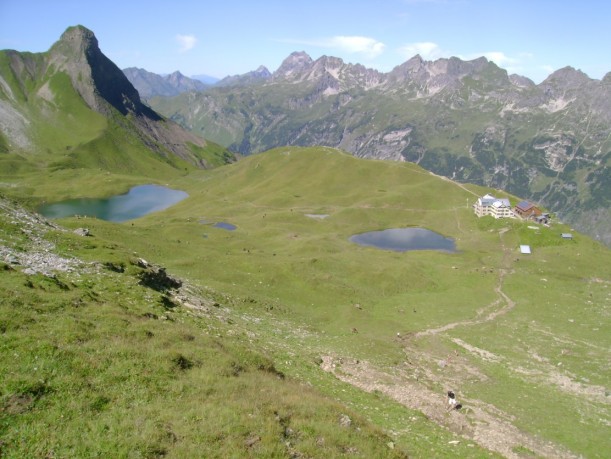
column 293, row 64
column 262, row 70
column 150, row 84
column 521, row 81
column 430, row 77
column 96, row 78
column 79, row 38
column 252, row 77
column 176, row 77
column 567, row 76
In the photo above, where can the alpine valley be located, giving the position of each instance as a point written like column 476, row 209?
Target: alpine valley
column 466, row 120
column 244, row 320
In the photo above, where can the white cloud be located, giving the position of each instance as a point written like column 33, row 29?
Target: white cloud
column 354, row 44
column 427, row 50
column 370, row 47
column 501, row 59
column 186, row 42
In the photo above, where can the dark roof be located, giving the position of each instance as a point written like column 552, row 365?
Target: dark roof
column 525, row 205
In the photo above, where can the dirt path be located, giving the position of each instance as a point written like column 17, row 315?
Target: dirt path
column 482, row 423
column 482, row 317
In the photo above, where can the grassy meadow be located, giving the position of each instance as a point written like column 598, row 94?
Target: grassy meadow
column 95, row 364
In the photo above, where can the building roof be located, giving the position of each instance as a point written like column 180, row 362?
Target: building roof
column 525, row 249
column 567, row 235
column 503, row 202
column 487, row 200
column 524, row 206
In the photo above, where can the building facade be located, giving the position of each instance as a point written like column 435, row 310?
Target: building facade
column 495, row 207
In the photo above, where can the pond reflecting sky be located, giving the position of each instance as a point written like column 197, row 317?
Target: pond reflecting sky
column 404, row 239
column 139, row 201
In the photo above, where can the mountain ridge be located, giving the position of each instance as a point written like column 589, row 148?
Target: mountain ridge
column 150, row 84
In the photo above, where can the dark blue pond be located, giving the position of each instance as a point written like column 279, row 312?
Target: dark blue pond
column 139, row 201
column 225, row 226
column 404, row 239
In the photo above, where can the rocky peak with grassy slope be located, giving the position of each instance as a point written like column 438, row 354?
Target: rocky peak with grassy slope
column 96, row 78
column 78, row 109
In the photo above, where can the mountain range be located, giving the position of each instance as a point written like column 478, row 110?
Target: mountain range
column 150, row 84
column 467, row 120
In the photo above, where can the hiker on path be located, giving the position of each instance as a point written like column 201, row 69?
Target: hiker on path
column 452, row 402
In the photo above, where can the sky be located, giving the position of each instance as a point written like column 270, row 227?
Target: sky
column 228, row 37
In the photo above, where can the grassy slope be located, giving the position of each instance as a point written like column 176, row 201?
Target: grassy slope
column 305, row 270
column 292, row 283
column 451, row 128
column 94, row 364
column 89, row 368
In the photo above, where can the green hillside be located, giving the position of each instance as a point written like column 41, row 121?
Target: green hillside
column 283, row 328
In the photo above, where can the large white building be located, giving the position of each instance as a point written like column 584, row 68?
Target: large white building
column 496, row 207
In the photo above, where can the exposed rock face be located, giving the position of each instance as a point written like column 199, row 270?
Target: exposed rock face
column 34, row 254
column 293, row 65
column 157, row 278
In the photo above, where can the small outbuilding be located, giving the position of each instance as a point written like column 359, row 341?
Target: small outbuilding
column 567, row 236
column 527, row 210
column 525, row 249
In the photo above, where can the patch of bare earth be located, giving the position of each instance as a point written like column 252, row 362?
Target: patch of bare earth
column 481, row 422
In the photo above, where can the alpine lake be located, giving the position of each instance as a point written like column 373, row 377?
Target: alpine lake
column 139, row 201
column 405, row 239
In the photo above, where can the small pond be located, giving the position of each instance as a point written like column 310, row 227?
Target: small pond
column 225, row 226
column 221, row 225
column 404, row 239
column 139, row 201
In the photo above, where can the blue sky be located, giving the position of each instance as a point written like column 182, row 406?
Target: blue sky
column 227, row 37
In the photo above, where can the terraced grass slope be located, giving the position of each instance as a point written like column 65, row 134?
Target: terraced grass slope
column 375, row 335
